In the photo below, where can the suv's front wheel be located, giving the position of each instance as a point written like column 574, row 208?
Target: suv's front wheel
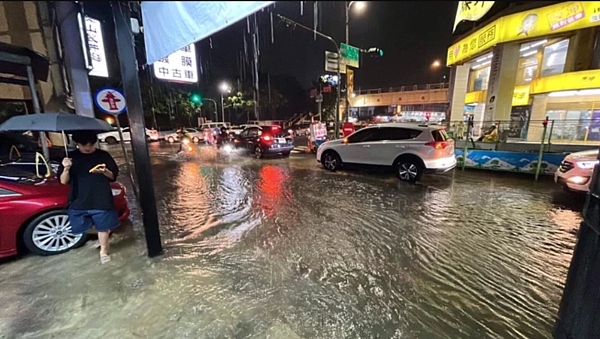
column 331, row 160
column 409, row 169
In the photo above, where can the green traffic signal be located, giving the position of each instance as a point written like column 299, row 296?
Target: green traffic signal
column 196, row 98
column 380, row 52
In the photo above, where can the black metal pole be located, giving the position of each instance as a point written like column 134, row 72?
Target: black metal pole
column 135, row 114
column 578, row 312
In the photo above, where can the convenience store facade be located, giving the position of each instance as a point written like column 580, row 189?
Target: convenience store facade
column 523, row 67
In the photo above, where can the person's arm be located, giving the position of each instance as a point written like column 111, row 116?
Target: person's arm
column 64, row 171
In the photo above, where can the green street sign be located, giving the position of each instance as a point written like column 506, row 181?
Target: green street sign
column 350, row 55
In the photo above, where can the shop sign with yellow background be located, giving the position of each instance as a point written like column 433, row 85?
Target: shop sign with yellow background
column 566, row 81
column 471, row 11
column 558, row 18
column 520, row 96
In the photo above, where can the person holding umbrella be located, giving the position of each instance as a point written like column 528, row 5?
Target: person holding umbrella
column 89, row 171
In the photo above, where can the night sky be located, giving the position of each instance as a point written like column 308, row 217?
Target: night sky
column 412, row 35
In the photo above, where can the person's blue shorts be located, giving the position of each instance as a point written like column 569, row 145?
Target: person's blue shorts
column 83, row 220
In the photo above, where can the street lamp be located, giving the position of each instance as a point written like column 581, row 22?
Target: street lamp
column 360, row 5
column 110, row 120
column 225, row 88
column 436, row 64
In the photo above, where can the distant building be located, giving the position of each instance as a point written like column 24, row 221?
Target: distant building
column 527, row 63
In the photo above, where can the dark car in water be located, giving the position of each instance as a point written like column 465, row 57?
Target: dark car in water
column 265, row 140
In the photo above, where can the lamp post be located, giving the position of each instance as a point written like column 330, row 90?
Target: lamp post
column 225, row 88
column 293, row 23
column 360, row 5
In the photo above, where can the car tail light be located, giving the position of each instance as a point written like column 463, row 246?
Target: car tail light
column 438, row 144
column 266, row 138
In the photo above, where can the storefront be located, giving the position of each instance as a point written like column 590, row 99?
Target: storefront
column 523, row 67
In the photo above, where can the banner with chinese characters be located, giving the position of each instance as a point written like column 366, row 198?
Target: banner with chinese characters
column 179, row 66
column 170, row 25
column 96, row 45
column 544, row 21
column 471, row 11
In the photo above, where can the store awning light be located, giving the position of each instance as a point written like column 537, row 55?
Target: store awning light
column 539, row 43
column 529, row 53
column 594, row 91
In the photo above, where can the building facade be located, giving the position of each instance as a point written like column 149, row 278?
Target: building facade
column 28, row 24
column 518, row 69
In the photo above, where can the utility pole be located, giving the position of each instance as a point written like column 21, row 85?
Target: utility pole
column 135, row 114
column 293, row 23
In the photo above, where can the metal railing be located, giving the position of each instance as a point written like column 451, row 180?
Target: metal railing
column 423, row 87
column 576, row 131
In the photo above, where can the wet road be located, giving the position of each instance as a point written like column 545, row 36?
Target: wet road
column 280, row 248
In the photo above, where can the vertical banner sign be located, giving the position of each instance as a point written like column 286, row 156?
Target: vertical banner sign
column 179, row 66
column 350, row 76
column 493, row 85
column 331, row 63
column 471, row 11
column 96, row 46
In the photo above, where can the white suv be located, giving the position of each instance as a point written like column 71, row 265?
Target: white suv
column 410, row 149
column 575, row 172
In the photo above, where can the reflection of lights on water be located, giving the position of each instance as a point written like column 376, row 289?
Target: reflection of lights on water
column 271, row 189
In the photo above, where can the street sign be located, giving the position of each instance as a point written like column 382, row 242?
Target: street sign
column 180, row 66
column 327, row 89
column 110, row 100
column 350, row 55
column 331, row 63
column 96, row 46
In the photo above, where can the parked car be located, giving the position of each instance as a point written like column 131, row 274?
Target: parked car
column 194, row 133
column 264, row 140
column 32, row 212
column 575, row 171
column 301, row 130
column 163, row 131
column 410, row 149
column 113, row 137
column 25, row 147
column 238, row 129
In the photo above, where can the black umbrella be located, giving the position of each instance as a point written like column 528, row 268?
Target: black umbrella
column 54, row 122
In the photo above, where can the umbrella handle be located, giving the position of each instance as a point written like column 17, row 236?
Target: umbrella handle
column 65, row 142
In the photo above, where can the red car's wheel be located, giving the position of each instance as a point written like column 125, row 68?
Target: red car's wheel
column 50, row 233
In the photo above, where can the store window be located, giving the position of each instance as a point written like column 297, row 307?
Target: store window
column 479, row 75
column 555, row 56
column 527, row 70
column 575, row 121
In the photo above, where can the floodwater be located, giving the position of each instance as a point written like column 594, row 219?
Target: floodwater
column 280, row 248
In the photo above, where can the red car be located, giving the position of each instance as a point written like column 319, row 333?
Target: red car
column 32, row 212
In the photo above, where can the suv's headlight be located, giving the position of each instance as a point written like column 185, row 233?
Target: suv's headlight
column 587, row 164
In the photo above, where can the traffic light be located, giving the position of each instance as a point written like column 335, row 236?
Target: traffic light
column 196, row 98
column 375, row 52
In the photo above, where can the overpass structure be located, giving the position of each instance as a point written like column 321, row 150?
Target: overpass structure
column 400, row 96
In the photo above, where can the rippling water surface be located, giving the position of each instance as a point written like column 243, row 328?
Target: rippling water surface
column 281, row 248
column 337, row 255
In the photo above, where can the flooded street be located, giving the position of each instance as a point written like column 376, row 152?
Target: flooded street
column 281, row 248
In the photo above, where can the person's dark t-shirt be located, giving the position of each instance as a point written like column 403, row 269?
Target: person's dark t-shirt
column 90, row 191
